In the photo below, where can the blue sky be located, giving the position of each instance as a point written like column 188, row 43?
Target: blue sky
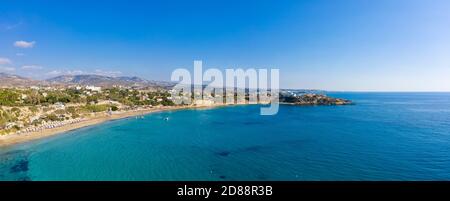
column 349, row 45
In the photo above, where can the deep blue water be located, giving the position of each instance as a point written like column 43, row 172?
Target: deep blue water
column 384, row 136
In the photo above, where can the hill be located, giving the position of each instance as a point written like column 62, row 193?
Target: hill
column 107, row 81
column 9, row 80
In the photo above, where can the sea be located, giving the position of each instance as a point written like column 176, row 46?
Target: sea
column 381, row 137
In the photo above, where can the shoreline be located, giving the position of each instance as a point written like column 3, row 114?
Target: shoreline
column 12, row 139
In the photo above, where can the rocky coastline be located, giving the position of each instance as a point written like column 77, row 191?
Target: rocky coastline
column 313, row 99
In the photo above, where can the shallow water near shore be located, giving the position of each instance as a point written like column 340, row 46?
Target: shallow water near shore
column 384, row 136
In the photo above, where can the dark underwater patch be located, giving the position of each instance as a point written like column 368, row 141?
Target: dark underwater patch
column 12, row 155
column 223, row 153
column 20, row 166
column 14, row 152
column 255, row 148
column 222, row 177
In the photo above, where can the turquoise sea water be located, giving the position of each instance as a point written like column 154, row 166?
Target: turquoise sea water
column 384, row 136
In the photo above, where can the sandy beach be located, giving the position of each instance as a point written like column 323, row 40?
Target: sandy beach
column 11, row 139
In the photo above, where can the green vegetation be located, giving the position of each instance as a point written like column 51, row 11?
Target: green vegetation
column 5, row 117
column 20, row 108
column 114, row 108
column 60, row 112
column 53, row 117
column 33, row 109
column 33, row 97
column 8, row 97
column 96, row 108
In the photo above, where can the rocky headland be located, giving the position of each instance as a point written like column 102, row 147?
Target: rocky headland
column 313, row 99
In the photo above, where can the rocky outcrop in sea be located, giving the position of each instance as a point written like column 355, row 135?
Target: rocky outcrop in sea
column 313, row 99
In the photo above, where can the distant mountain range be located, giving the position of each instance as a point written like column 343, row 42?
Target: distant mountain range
column 106, row 81
column 8, row 80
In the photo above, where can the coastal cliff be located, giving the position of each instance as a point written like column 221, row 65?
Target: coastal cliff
column 313, row 99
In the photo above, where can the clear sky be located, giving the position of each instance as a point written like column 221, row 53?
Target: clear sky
column 363, row 45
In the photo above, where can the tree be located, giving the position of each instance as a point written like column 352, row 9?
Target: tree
column 8, row 97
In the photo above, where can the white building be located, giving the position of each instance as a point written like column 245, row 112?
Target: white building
column 59, row 106
column 94, row 88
